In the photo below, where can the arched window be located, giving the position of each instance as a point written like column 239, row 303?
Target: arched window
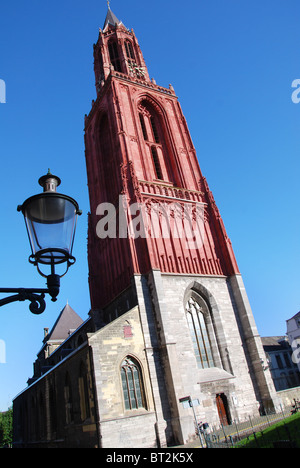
column 84, row 393
column 129, row 50
column 68, row 400
column 42, row 417
column 132, row 384
column 114, row 55
column 107, row 163
column 155, row 135
column 52, row 409
column 199, row 334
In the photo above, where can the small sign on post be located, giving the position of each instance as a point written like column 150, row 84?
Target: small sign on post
column 187, row 402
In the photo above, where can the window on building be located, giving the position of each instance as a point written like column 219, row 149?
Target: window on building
column 129, row 50
column 279, row 361
column 84, row 393
column 156, row 163
column 106, row 163
column 287, row 360
column 132, row 384
column 52, row 409
column 155, row 135
column 68, row 400
column 143, row 126
column 42, row 417
column 154, row 129
column 114, row 56
column 199, row 334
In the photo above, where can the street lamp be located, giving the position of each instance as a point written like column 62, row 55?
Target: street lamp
column 50, row 219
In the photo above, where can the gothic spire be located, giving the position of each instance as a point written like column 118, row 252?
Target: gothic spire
column 111, row 18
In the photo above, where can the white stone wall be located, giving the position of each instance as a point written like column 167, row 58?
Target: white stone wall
column 161, row 299
column 227, row 341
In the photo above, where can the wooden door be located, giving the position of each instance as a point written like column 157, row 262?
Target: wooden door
column 221, row 401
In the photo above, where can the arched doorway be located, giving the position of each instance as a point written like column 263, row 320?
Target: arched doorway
column 223, row 409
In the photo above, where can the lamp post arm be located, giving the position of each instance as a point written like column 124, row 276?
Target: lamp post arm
column 36, row 296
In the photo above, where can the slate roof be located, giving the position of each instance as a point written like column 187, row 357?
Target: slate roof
column 111, row 19
column 295, row 316
column 274, row 343
column 68, row 320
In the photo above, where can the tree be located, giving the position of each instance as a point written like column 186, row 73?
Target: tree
column 6, row 419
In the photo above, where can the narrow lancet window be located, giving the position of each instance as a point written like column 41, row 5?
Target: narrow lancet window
column 132, row 384
column 154, row 131
column 114, row 56
column 156, row 163
column 199, row 334
column 144, row 130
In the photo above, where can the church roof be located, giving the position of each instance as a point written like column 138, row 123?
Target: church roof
column 274, row 343
column 67, row 322
column 294, row 316
column 111, row 19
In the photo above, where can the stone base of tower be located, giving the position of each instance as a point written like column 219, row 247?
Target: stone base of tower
column 235, row 387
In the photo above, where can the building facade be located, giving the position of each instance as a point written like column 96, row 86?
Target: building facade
column 170, row 317
column 279, row 359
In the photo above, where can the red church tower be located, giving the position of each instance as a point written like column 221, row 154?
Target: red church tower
column 156, row 240
column 138, row 146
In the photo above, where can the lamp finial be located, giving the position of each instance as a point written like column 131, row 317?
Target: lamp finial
column 49, row 182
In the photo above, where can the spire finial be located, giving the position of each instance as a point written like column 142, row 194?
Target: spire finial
column 108, row 3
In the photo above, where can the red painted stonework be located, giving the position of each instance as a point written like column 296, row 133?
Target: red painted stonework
column 138, row 145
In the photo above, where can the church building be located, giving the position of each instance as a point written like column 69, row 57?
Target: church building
column 170, row 317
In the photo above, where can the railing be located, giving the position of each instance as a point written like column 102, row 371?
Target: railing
column 169, row 191
column 254, row 428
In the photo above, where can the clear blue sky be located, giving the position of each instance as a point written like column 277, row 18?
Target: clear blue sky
column 231, row 63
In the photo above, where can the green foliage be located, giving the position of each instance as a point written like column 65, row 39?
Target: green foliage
column 6, row 428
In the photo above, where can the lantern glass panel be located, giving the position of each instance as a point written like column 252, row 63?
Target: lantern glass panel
column 51, row 221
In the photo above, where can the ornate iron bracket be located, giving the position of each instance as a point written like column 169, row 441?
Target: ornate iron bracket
column 36, row 296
